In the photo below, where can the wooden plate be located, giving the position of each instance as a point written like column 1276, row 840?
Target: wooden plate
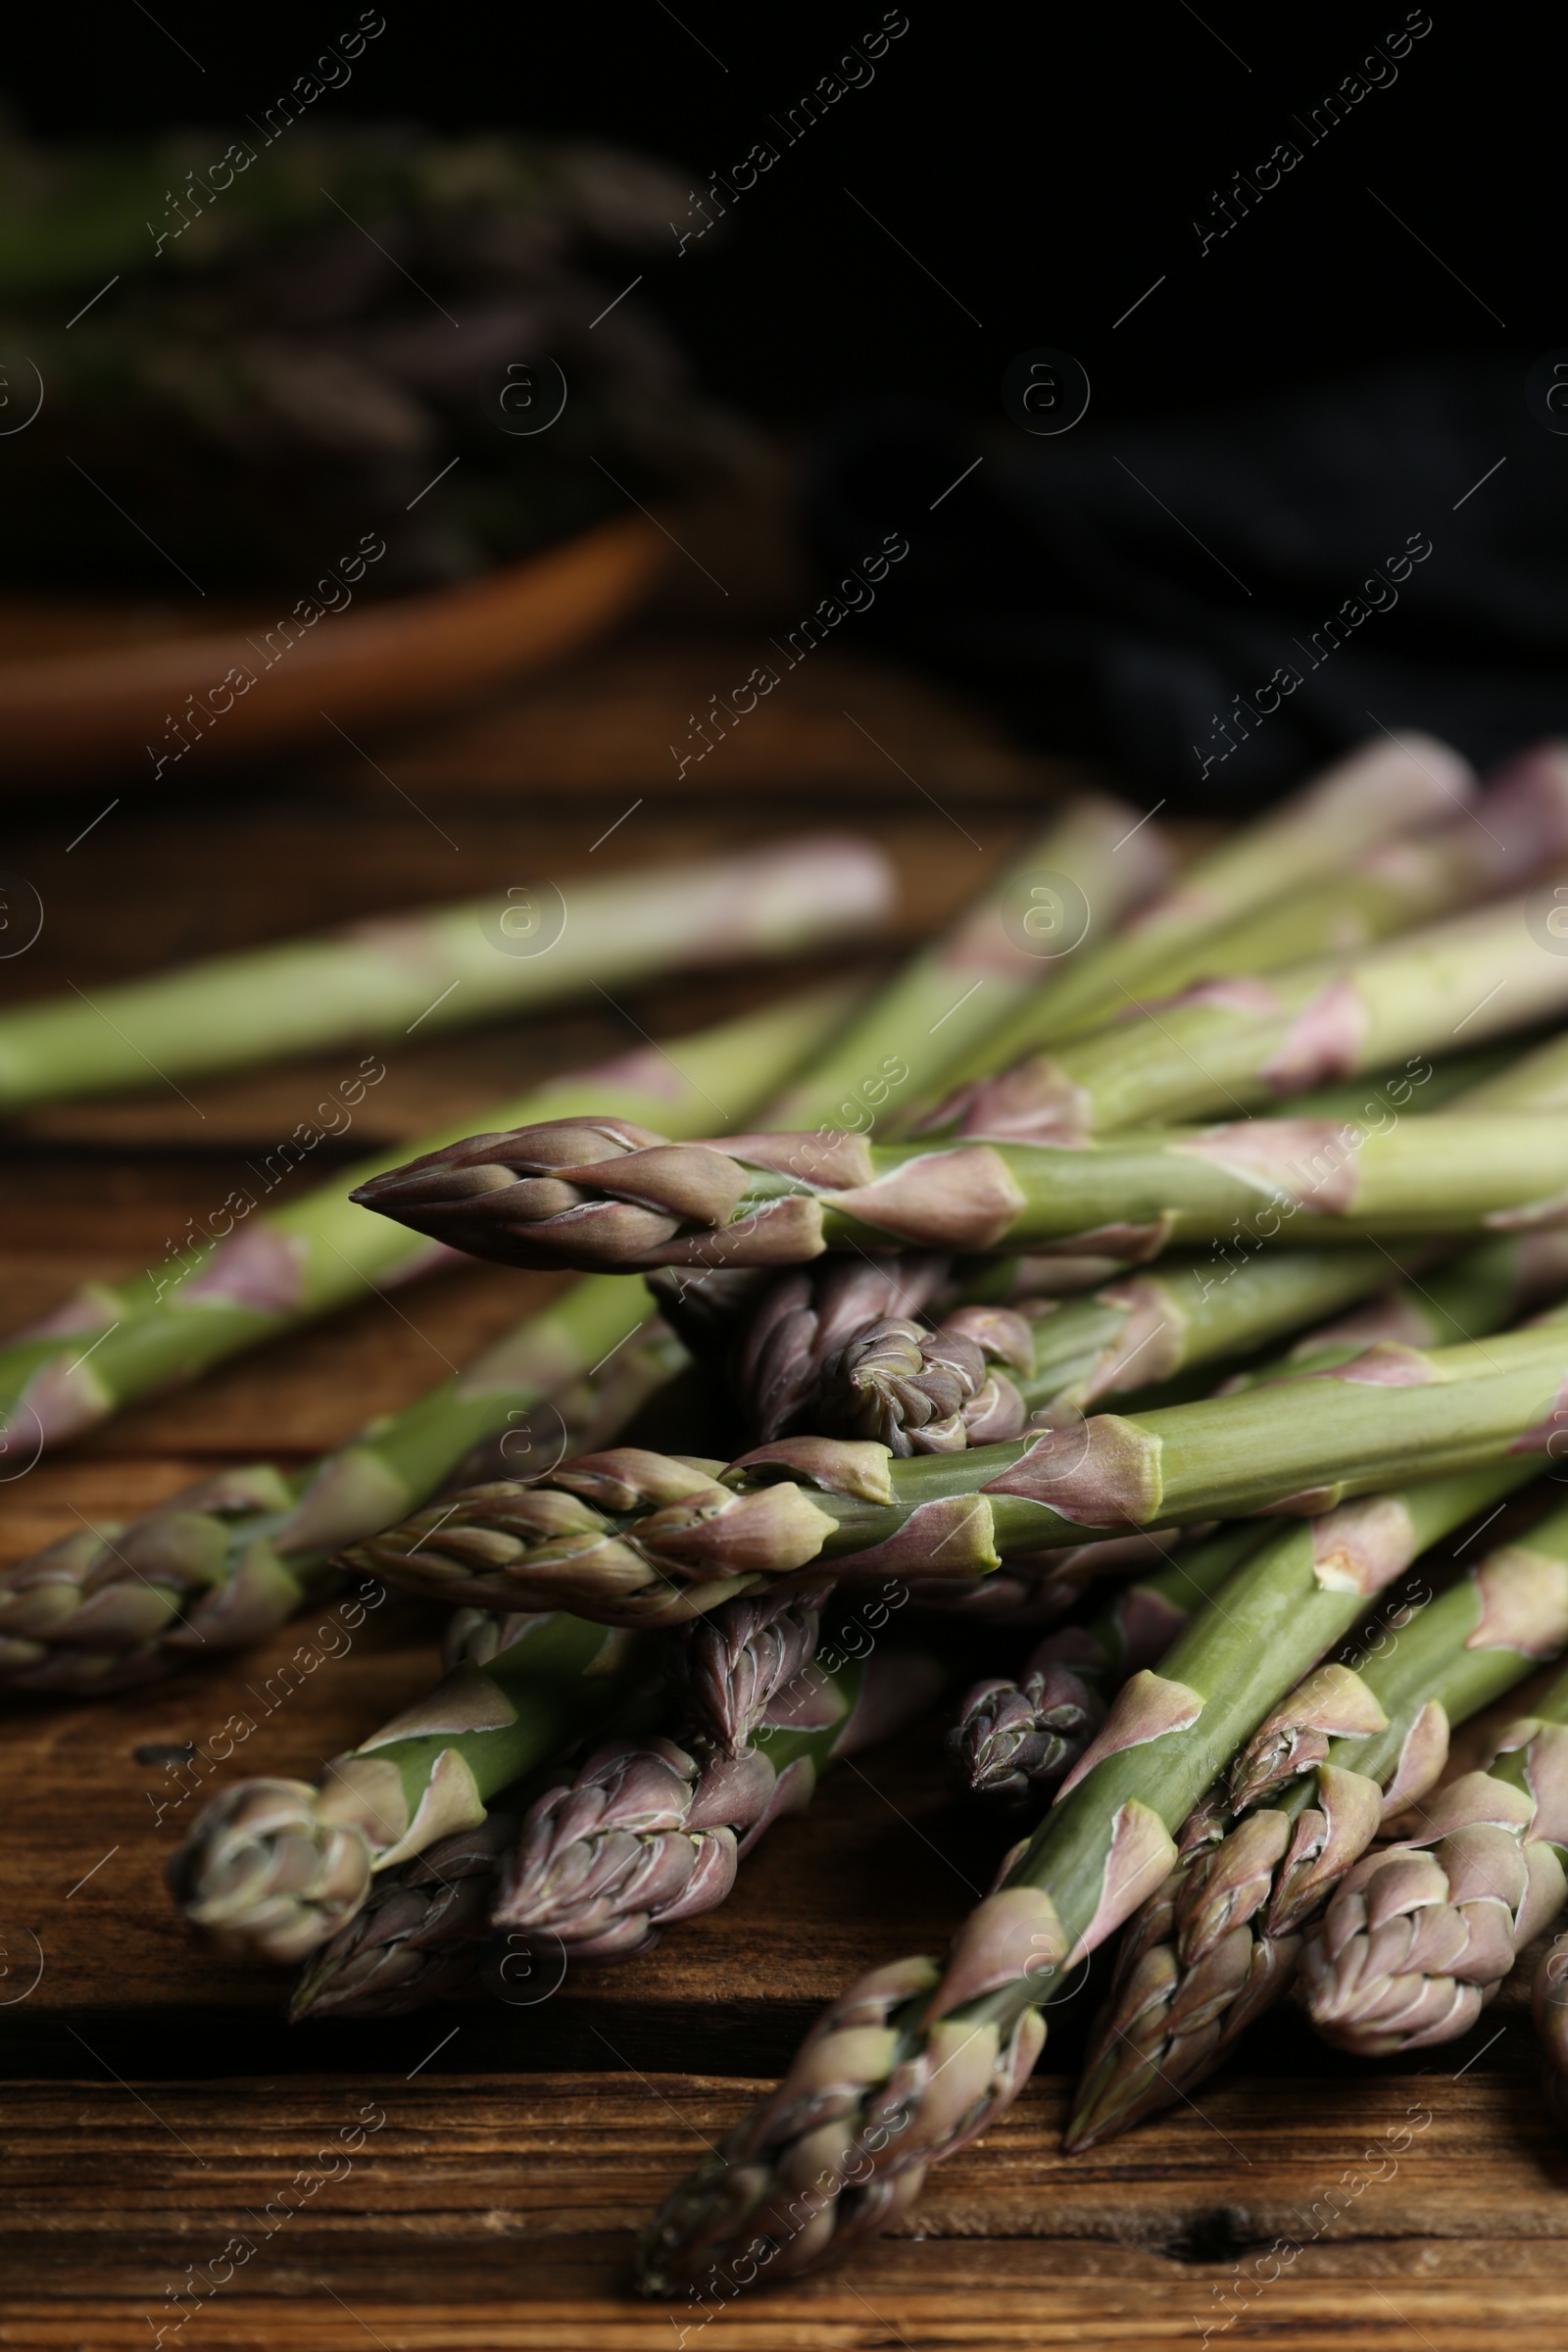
column 105, row 705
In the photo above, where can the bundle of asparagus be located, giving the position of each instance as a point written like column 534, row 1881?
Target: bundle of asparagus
column 886, row 1278
column 728, row 1683
column 1300, row 1802
column 640, row 1538
column 223, row 1562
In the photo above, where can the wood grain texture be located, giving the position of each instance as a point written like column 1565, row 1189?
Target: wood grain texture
column 153, row 2104
column 499, row 2213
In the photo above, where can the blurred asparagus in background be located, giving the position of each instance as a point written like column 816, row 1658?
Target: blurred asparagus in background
column 444, row 968
column 313, row 319
column 1375, row 795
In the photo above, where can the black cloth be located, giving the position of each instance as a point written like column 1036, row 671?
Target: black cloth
column 1116, row 592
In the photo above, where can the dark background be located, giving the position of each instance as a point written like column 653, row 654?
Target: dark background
column 1044, row 164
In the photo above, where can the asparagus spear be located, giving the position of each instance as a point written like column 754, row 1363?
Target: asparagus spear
column 645, row 1832
column 606, row 1194
column 923, row 1391
column 1548, row 2004
column 1218, row 1942
column 224, row 1562
column 271, row 1868
column 791, row 1341
column 1376, row 794
column 648, row 1833
column 640, row 1538
column 290, row 1265
column 1418, row 1937
column 418, row 1934
column 1015, row 1741
column 448, row 967
column 920, row 2056
column 726, row 1669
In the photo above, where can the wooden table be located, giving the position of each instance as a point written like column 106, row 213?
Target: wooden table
column 156, row 2104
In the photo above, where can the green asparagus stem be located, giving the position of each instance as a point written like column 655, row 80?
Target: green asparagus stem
column 1374, row 796
column 1457, row 1076
column 1219, row 1941
column 638, row 1538
column 948, row 997
column 1187, row 1317
column 449, row 967
column 1248, row 1042
column 1522, row 825
column 1536, row 1081
column 271, row 1867
column 1484, row 1289
column 922, row 2056
column 288, row 1266
column 220, row 1564
column 1418, row 1937
column 606, row 1194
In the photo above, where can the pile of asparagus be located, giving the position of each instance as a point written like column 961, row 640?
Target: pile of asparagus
column 1200, row 1295
column 321, row 332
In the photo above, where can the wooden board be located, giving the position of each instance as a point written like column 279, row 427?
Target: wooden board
column 155, row 2107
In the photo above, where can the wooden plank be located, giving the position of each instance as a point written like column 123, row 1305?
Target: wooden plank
column 498, row 2212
